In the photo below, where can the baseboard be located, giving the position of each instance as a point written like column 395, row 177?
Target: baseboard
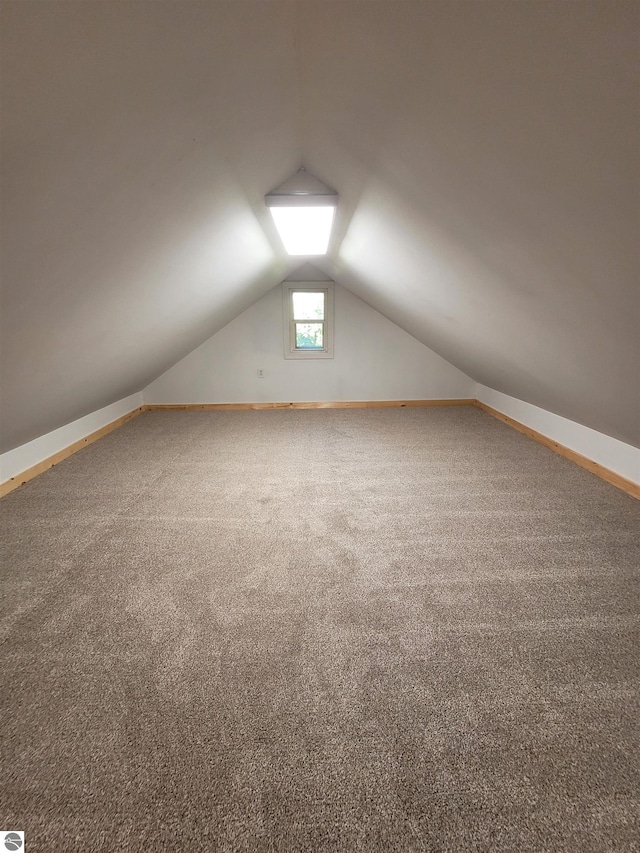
column 354, row 404
column 24, row 476
column 605, row 474
column 601, row 471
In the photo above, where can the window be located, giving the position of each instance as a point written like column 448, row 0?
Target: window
column 308, row 319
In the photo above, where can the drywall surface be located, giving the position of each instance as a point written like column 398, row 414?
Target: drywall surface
column 606, row 451
column 21, row 458
column 374, row 360
column 485, row 154
column 128, row 236
column 490, row 153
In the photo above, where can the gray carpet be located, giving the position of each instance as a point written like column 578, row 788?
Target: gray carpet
column 333, row 630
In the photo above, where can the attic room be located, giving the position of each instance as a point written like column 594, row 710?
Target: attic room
column 335, row 546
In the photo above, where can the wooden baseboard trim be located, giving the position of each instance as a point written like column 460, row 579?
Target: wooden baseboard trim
column 605, row 474
column 354, row 404
column 49, row 462
column 61, row 455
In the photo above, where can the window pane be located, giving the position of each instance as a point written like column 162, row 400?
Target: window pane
column 309, row 335
column 308, row 306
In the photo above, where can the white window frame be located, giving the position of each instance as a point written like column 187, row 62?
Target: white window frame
column 288, row 324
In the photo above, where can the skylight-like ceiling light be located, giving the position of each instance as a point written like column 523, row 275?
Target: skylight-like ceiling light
column 303, row 209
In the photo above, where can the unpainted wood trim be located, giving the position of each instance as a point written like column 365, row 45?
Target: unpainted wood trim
column 50, row 461
column 354, row 404
column 61, row 455
column 605, row 474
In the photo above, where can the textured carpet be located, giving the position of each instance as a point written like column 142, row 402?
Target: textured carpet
column 334, row 630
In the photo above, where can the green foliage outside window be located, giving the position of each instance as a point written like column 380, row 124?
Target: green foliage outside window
column 309, row 336
column 307, row 307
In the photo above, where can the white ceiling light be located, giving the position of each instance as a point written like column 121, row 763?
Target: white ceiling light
column 303, row 209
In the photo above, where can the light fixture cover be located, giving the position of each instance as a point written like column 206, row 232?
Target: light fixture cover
column 304, row 230
column 303, row 209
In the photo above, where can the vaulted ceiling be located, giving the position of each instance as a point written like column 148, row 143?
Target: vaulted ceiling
column 486, row 156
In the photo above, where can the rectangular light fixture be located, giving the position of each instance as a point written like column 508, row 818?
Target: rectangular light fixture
column 304, row 230
column 303, row 209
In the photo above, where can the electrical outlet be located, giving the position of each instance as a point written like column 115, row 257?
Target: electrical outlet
column 260, row 373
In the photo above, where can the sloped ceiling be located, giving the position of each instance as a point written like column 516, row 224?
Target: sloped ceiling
column 485, row 154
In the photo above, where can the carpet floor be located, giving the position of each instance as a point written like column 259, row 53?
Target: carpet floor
column 327, row 630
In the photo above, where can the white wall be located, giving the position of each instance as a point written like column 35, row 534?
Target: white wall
column 15, row 461
column 615, row 455
column 374, row 360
